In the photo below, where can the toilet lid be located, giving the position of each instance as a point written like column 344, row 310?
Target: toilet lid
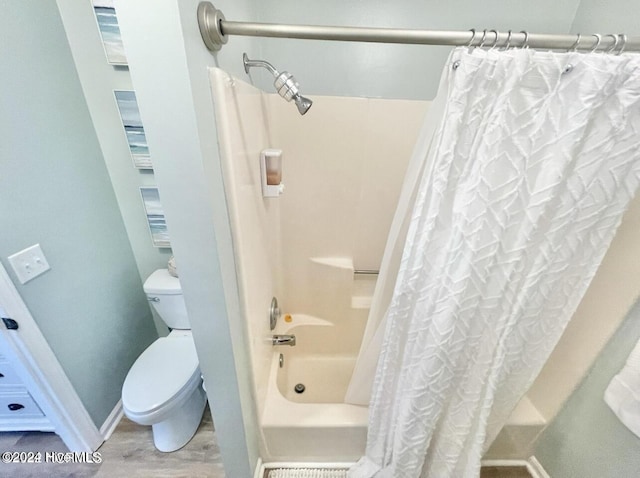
column 163, row 370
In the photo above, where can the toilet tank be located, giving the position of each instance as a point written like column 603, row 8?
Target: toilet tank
column 165, row 294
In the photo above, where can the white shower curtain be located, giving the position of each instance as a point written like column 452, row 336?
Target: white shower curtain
column 520, row 181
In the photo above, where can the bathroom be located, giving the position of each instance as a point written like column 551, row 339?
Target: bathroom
column 183, row 125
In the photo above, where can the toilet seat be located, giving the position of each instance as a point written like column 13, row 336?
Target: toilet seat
column 164, row 374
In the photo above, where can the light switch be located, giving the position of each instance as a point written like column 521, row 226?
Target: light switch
column 29, row 263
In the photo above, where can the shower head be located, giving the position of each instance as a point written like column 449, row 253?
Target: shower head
column 302, row 103
column 287, row 87
column 285, row 84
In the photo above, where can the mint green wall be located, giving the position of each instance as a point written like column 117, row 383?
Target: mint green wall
column 98, row 80
column 604, row 16
column 55, row 190
column 586, row 439
column 168, row 64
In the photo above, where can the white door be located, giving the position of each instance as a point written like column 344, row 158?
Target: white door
column 38, row 388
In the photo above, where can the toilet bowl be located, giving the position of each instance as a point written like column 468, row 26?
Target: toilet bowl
column 164, row 387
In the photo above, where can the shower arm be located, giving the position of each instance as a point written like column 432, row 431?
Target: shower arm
column 261, row 63
column 285, row 84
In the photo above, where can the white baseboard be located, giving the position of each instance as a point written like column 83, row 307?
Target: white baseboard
column 505, row 463
column 26, row 425
column 259, row 469
column 111, row 422
column 535, row 468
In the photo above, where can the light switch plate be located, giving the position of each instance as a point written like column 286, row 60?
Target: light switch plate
column 29, row 263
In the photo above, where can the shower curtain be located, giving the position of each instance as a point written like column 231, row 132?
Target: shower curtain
column 515, row 190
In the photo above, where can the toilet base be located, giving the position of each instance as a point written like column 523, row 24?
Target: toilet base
column 176, row 431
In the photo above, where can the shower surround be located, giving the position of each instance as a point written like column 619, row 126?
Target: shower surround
column 343, row 165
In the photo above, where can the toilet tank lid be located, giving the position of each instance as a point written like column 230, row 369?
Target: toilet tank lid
column 161, row 282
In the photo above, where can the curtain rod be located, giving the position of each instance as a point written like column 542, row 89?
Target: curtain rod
column 215, row 31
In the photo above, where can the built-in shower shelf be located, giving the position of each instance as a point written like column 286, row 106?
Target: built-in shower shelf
column 337, row 262
column 337, row 282
column 361, row 302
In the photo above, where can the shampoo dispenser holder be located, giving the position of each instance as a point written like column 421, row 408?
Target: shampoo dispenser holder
column 271, row 173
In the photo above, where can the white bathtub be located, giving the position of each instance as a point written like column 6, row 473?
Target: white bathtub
column 315, row 425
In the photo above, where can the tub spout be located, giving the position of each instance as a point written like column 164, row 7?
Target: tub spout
column 284, row 340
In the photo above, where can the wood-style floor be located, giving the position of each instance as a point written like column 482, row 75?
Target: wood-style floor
column 130, row 453
column 504, row 472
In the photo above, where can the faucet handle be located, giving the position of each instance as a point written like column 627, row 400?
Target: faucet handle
column 274, row 313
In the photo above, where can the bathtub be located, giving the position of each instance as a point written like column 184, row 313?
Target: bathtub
column 314, row 425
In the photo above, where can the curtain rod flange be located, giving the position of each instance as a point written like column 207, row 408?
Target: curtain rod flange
column 210, row 23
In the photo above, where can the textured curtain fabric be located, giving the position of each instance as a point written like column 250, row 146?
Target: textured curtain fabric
column 523, row 185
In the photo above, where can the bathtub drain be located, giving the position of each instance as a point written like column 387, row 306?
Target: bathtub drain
column 299, row 388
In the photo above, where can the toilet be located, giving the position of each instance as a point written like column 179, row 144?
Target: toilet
column 164, row 386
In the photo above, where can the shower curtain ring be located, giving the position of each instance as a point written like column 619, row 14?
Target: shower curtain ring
column 484, row 36
column 574, row 47
column 615, row 43
column 624, row 43
column 473, row 37
column 598, row 40
column 495, row 42
column 525, row 43
column 506, row 47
